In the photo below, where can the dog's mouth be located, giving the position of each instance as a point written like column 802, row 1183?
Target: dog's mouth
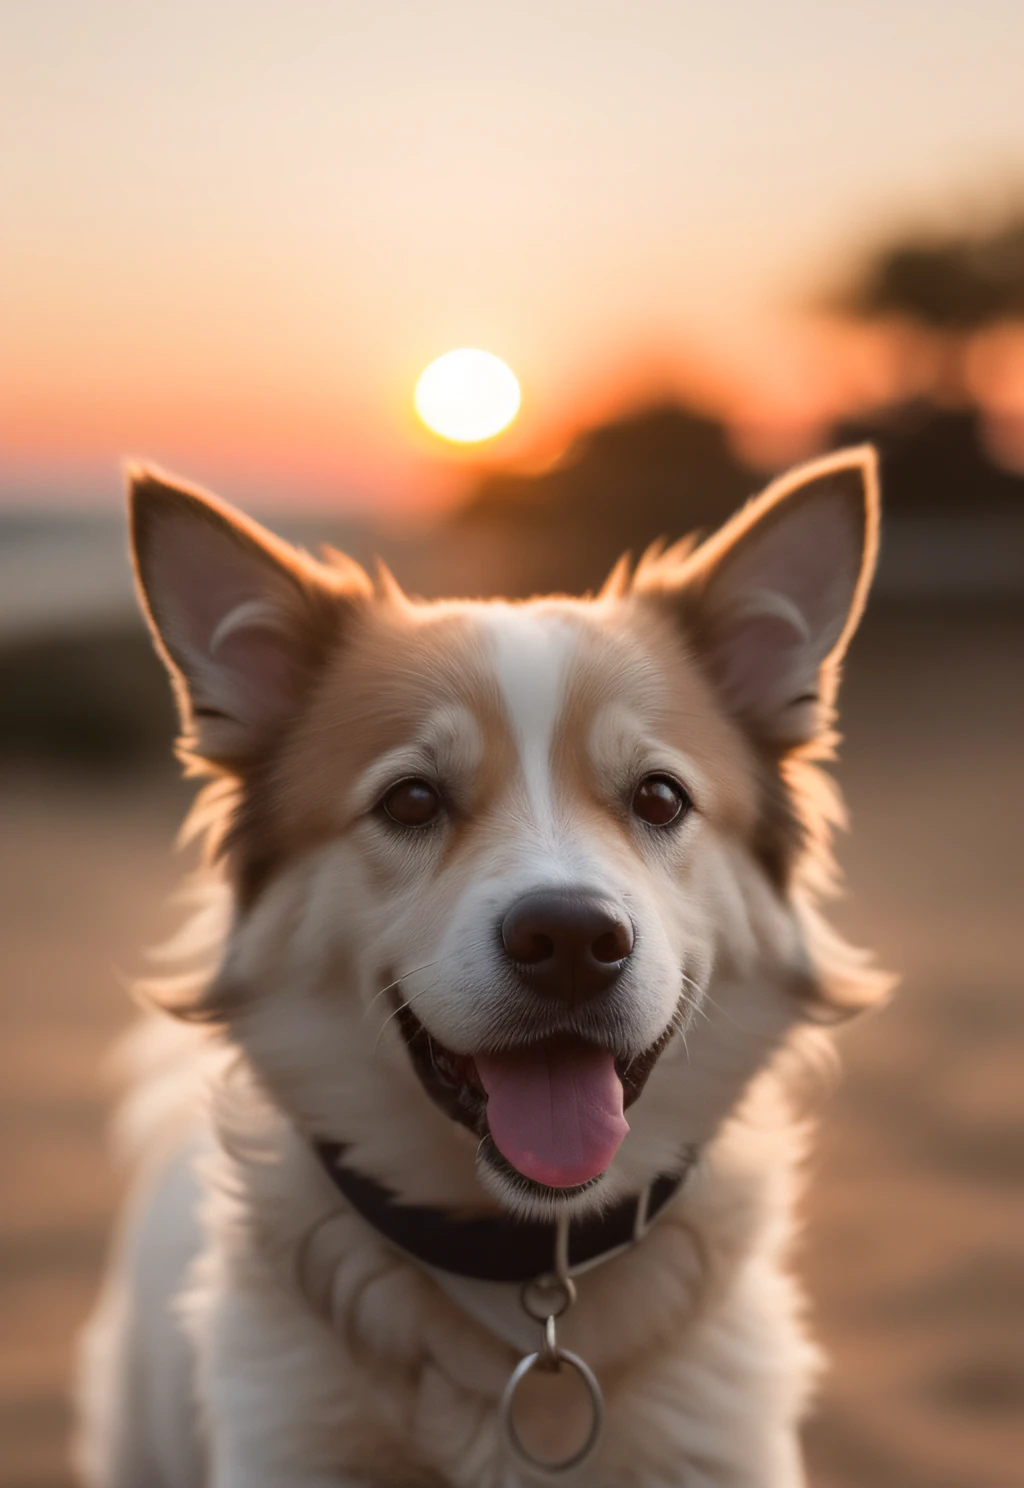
column 551, row 1112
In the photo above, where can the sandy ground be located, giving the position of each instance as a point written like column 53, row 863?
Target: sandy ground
column 916, row 1213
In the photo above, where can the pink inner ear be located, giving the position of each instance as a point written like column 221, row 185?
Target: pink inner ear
column 757, row 661
column 260, row 675
column 202, row 577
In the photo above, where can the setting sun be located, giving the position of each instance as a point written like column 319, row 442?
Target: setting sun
column 467, row 396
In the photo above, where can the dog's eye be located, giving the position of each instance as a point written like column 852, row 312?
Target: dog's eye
column 412, row 803
column 660, row 801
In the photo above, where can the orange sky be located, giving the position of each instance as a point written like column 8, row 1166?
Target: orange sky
column 233, row 235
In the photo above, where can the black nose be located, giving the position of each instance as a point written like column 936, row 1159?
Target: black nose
column 570, row 944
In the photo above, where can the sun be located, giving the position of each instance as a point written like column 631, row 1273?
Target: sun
column 467, row 396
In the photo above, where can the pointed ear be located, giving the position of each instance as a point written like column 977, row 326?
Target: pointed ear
column 773, row 598
column 241, row 619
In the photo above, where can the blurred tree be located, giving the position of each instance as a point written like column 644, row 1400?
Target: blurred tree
column 935, row 459
column 936, row 440
column 658, row 473
column 960, row 284
column 89, row 698
column 945, row 291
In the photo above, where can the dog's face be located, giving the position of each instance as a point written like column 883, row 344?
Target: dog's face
column 505, row 874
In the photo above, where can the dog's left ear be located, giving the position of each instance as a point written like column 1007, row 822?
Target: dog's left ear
column 772, row 599
column 242, row 619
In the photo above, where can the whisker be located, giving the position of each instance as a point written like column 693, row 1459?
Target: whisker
column 398, row 979
column 473, row 945
column 743, row 1027
column 679, row 1024
column 466, row 948
column 394, row 1014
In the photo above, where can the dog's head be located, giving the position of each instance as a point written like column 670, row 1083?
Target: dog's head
column 511, row 879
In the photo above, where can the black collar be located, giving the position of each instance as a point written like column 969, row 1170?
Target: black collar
column 492, row 1249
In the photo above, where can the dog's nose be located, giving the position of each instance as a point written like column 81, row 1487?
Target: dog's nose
column 571, row 944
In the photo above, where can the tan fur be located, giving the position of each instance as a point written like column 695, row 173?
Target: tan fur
column 319, row 1355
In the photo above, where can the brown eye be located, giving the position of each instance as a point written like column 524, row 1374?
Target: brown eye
column 659, row 800
column 412, row 803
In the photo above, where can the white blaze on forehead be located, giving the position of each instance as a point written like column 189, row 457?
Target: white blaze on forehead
column 532, row 652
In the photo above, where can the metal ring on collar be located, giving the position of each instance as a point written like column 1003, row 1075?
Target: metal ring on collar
column 544, row 1360
column 547, row 1296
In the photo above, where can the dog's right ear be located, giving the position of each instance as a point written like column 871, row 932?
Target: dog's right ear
column 241, row 619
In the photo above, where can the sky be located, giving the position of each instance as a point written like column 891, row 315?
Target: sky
column 233, row 234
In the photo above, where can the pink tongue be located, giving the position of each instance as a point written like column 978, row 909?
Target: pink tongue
column 555, row 1110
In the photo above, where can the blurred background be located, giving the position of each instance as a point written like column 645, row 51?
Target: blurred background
column 708, row 241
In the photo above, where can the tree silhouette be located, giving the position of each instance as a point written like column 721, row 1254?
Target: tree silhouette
column 957, row 284
column 947, row 291
column 657, row 472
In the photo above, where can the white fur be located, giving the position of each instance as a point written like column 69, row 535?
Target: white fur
column 531, row 658
column 255, row 1332
column 696, row 1336
column 696, row 1333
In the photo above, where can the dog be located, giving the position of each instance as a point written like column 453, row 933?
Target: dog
column 469, row 1154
